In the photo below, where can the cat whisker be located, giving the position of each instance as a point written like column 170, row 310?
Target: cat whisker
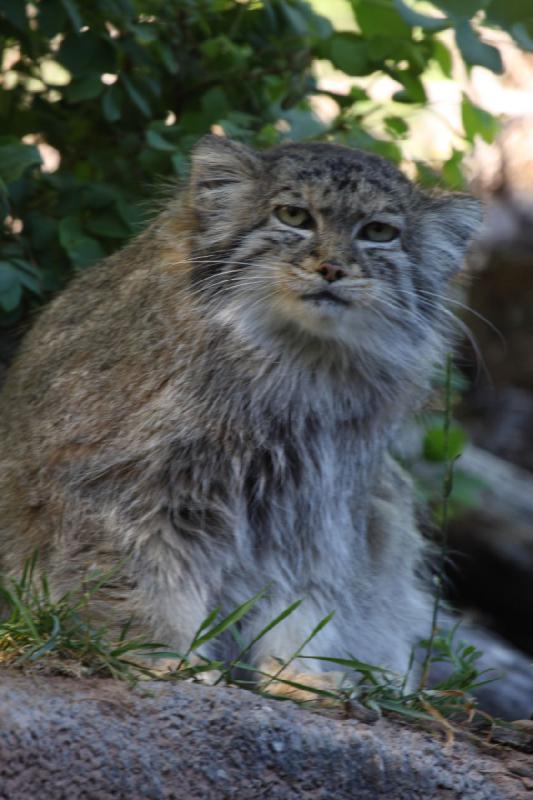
column 451, row 301
column 210, row 290
column 452, row 318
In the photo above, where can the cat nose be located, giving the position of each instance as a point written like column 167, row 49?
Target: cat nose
column 331, row 272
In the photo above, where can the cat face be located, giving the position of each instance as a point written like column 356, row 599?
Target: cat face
column 325, row 241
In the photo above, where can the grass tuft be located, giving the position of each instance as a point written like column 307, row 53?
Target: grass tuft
column 37, row 628
column 55, row 634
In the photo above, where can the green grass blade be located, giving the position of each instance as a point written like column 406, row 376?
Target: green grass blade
column 350, row 663
column 283, row 615
column 208, row 621
column 237, row 614
column 128, row 647
column 25, row 614
column 322, row 624
column 303, row 687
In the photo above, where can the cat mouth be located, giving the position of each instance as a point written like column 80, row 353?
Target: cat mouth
column 324, row 297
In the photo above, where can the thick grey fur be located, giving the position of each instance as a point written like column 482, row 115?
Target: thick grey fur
column 183, row 411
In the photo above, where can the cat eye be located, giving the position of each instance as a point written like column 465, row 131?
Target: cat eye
column 294, row 216
column 378, row 232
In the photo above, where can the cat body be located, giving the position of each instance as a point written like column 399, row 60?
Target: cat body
column 211, row 408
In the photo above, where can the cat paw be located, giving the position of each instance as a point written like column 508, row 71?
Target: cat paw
column 292, row 684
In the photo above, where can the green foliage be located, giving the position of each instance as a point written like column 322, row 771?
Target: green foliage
column 55, row 633
column 477, row 122
column 121, row 89
column 38, row 627
column 442, row 442
column 441, row 445
column 462, row 658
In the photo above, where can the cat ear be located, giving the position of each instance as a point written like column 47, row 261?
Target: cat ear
column 222, row 167
column 449, row 224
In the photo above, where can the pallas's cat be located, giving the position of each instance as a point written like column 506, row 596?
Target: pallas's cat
column 212, row 407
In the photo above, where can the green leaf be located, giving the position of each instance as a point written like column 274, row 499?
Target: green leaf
column 144, row 32
column 10, row 287
column 349, row 52
column 111, row 103
column 452, row 172
column 135, row 96
column 414, row 88
column 132, row 213
column 86, row 88
column 82, row 249
column 510, row 12
column 443, row 57
column 296, row 21
column 16, row 158
column 180, row 164
column 87, row 51
column 157, row 141
column 381, row 18
column 476, row 52
column 73, row 14
column 437, row 447
column 51, row 18
column 238, row 125
column 355, row 136
column 415, row 19
column 41, row 229
column 427, row 176
column 396, row 126
column 318, row 26
column 215, row 104
column 98, row 195
column 4, row 201
column 28, row 275
column 15, row 13
column 461, row 9
column 477, row 121
column 167, row 57
column 107, row 225
column 303, row 122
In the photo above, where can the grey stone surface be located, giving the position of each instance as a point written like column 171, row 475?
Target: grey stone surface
column 67, row 739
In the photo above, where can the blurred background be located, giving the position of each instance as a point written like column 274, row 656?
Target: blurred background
column 101, row 102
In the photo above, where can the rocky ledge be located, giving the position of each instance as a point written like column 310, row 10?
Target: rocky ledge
column 94, row 739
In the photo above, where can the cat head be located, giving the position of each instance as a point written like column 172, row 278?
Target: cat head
column 324, row 242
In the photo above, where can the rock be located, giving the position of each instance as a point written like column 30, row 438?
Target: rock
column 96, row 739
column 495, row 542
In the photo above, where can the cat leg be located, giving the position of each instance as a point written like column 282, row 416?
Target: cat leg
column 148, row 594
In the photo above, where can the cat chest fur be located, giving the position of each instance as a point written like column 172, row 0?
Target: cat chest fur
column 280, row 494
